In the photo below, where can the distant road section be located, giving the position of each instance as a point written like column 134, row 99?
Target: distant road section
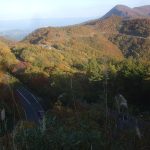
column 33, row 110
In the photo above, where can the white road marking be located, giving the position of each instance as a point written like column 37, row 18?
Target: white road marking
column 33, row 98
column 24, row 97
column 32, row 95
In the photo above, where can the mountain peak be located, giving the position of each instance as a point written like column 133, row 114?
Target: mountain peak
column 119, row 6
column 127, row 12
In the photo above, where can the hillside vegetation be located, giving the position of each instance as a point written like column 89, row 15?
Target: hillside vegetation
column 132, row 46
column 54, row 53
column 133, row 38
column 136, row 27
column 130, row 36
column 82, row 40
column 7, row 59
column 109, row 25
column 76, row 72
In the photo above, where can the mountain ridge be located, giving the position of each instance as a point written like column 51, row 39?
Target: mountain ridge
column 103, row 34
column 127, row 12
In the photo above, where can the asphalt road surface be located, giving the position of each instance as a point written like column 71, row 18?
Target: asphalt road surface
column 32, row 108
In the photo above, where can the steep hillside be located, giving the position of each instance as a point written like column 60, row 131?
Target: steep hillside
column 132, row 46
column 80, row 42
column 136, row 27
column 133, row 38
column 108, row 25
column 130, row 35
column 116, row 25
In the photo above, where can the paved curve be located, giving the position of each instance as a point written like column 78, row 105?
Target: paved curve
column 33, row 110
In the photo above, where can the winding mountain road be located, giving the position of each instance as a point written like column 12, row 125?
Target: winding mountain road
column 32, row 108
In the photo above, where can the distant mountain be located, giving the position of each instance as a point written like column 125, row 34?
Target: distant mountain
column 18, row 29
column 127, row 12
column 32, row 24
column 15, row 34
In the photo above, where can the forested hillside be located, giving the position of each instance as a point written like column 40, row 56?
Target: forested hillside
column 136, row 27
column 77, row 73
column 131, row 36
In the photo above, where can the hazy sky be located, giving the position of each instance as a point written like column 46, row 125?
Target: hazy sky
column 27, row 9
